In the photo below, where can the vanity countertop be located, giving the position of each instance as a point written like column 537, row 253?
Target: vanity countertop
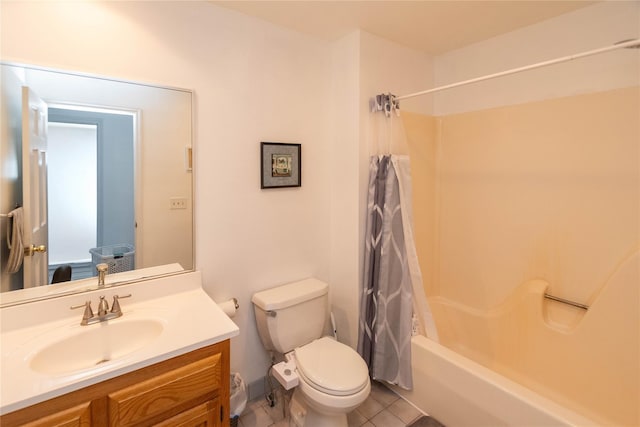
column 189, row 320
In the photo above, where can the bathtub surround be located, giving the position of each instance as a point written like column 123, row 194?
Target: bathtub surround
column 518, row 339
column 542, row 190
column 534, row 176
column 592, row 137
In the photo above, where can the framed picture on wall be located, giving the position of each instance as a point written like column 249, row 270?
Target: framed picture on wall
column 280, row 165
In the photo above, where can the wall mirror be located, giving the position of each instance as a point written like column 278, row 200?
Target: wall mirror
column 97, row 170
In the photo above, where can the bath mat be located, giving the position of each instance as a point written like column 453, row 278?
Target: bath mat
column 426, row 421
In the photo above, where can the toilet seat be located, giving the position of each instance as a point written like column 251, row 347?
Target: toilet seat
column 331, row 367
column 330, row 403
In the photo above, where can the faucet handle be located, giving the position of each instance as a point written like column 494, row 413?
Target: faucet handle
column 115, row 306
column 88, row 312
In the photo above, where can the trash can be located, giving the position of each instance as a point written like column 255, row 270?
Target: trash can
column 238, row 399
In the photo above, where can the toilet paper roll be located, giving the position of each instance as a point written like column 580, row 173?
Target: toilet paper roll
column 229, row 307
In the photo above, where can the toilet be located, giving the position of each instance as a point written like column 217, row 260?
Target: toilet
column 330, row 378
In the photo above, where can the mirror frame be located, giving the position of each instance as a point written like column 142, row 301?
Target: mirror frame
column 44, row 292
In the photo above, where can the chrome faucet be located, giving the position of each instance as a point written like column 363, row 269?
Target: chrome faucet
column 102, row 272
column 89, row 318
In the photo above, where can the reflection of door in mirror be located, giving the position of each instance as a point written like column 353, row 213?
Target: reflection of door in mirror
column 34, row 188
column 91, row 174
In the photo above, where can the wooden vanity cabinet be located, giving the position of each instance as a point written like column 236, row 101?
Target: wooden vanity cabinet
column 189, row 390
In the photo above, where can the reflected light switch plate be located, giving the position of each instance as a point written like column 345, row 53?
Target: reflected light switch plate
column 178, row 203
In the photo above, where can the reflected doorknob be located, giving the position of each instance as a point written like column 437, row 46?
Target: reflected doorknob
column 33, row 248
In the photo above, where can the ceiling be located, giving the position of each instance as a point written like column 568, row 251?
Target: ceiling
column 430, row 26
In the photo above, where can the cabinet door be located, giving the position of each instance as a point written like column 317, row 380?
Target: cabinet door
column 152, row 398
column 205, row 415
column 191, row 390
column 78, row 416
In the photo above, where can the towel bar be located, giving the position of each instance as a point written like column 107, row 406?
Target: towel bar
column 566, row 301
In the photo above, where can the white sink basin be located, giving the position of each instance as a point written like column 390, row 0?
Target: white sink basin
column 95, row 344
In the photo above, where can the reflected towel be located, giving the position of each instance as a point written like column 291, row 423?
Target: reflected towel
column 14, row 240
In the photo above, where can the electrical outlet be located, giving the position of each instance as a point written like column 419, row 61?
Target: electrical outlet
column 178, row 203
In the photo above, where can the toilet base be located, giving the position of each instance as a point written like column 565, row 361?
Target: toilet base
column 304, row 415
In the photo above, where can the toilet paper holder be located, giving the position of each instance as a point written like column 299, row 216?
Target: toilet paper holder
column 229, row 307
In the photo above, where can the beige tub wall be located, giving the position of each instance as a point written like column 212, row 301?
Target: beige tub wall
column 591, row 368
column 546, row 189
column 421, row 141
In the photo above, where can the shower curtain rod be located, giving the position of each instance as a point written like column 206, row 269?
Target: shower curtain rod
column 635, row 43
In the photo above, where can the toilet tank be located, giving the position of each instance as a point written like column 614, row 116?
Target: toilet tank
column 291, row 315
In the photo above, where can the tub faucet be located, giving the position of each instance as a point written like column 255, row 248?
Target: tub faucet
column 102, row 272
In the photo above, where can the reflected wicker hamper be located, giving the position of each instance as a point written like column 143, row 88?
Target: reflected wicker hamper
column 119, row 258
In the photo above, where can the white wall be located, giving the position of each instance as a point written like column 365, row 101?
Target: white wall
column 253, row 82
column 599, row 25
column 345, row 196
column 364, row 65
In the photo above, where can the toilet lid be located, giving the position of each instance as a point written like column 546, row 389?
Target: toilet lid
column 332, row 367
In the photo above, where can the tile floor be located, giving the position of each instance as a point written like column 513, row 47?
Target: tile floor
column 383, row 408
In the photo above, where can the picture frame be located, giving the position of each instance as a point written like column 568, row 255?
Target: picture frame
column 280, row 165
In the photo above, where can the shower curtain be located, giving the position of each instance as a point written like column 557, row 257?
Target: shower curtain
column 392, row 288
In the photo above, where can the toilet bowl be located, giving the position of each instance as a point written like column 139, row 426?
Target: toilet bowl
column 333, row 381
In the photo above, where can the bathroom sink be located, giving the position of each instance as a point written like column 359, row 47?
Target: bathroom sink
column 95, row 344
column 46, row 353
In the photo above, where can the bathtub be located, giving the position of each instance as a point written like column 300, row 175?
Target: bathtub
column 522, row 364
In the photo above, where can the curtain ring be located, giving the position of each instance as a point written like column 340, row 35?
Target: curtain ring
column 388, row 105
